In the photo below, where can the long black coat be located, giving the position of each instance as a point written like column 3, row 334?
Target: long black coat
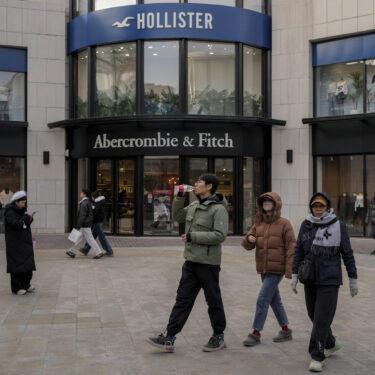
column 18, row 240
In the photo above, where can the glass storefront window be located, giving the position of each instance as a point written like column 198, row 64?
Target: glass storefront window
column 104, row 185
column 370, row 89
column 12, row 179
column 370, row 179
column 252, row 82
column 253, row 187
column 211, row 72
column 160, row 1
column 104, row 4
column 342, row 178
column 12, row 96
column 231, row 3
column 161, row 77
column 161, row 174
column 115, row 80
column 339, row 89
column 82, row 6
column 224, row 172
column 257, row 5
column 82, row 88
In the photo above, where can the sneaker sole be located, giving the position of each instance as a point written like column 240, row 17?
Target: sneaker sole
column 249, row 345
column 282, row 340
column 327, row 355
column 223, row 346
column 163, row 348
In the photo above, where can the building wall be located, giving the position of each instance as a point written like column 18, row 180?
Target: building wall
column 40, row 26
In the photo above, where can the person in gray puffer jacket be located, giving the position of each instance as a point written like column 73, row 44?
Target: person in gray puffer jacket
column 84, row 223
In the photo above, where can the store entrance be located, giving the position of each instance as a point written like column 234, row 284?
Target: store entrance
column 115, row 181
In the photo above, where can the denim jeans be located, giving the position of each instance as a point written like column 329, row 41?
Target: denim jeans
column 269, row 295
column 97, row 231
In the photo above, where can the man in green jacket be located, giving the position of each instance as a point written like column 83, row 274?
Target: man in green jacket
column 206, row 227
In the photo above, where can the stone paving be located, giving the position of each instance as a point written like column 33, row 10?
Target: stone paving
column 93, row 316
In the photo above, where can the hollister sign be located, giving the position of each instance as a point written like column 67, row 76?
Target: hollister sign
column 164, row 140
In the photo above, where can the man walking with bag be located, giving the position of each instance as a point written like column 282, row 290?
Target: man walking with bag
column 206, row 227
column 84, row 223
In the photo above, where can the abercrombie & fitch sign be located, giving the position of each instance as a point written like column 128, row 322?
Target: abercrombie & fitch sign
column 164, row 140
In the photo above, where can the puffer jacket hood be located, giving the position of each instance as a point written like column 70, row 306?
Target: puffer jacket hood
column 260, row 215
column 324, row 195
column 216, row 198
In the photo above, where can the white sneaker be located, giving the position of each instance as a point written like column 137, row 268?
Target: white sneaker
column 21, row 292
column 329, row 352
column 316, row 366
column 31, row 289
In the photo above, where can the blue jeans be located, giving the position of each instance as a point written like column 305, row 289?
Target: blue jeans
column 269, row 295
column 97, row 231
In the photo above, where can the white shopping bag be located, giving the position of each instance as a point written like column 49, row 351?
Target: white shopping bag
column 75, row 235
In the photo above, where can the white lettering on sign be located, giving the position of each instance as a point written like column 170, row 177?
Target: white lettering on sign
column 168, row 20
column 160, row 141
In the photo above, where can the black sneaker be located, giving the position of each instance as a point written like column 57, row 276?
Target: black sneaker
column 372, row 252
column 98, row 256
column 216, row 342
column 163, row 343
column 70, row 253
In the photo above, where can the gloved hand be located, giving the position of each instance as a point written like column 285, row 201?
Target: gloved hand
column 294, row 282
column 353, row 287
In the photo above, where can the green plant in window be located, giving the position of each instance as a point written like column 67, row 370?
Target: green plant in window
column 116, row 102
column 151, row 102
column 214, row 102
column 253, row 105
column 369, row 98
column 357, row 84
column 81, row 108
column 169, row 102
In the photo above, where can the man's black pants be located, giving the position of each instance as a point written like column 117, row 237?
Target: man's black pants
column 20, row 281
column 194, row 277
column 321, row 303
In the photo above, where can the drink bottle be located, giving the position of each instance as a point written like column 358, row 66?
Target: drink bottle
column 183, row 189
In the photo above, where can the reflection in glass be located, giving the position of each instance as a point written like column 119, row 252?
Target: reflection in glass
column 104, row 184
column 370, row 89
column 224, row 172
column 211, row 78
column 257, row 5
column 126, row 196
column 339, row 89
column 370, row 179
column 253, row 187
column 104, row 4
column 161, row 174
column 81, row 102
column 81, row 7
column 161, row 75
column 160, row 1
column 115, row 80
column 12, row 96
column 252, row 82
column 231, row 3
column 12, row 179
column 342, row 178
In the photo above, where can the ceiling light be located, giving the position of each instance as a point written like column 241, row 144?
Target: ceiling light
column 211, row 53
column 154, row 54
column 150, row 47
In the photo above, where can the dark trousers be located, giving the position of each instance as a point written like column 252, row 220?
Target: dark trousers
column 20, row 281
column 321, row 302
column 194, row 277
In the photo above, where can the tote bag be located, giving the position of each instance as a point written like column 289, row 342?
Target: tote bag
column 75, row 235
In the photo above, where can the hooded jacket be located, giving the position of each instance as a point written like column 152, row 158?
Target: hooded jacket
column 18, row 240
column 207, row 224
column 275, row 240
column 99, row 209
column 327, row 267
column 85, row 215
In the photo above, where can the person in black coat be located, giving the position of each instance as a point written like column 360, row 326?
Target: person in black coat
column 324, row 240
column 19, row 244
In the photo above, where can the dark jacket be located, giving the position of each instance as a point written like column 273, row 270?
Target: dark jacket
column 207, row 225
column 85, row 214
column 99, row 209
column 370, row 217
column 275, row 240
column 18, row 240
column 327, row 268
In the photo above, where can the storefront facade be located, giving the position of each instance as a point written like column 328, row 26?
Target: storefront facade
column 162, row 93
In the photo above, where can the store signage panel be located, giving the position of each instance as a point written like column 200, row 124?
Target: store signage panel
column 170, row 21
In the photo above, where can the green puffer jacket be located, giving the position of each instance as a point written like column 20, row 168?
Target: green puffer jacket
column 208, row 225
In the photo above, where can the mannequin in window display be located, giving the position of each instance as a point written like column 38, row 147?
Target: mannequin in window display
column 341, row 93
column 370, row 219
column 331, row 97
column 161, row 213
column 5, row 195
column 358, row 207
column 343, row 206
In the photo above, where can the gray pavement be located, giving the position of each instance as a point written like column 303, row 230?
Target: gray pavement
column 93, row 316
